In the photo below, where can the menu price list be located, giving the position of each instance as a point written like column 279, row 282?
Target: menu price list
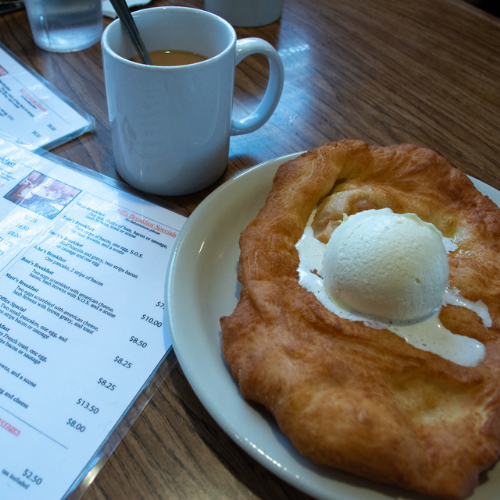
column 82, row 269
column 32, row 111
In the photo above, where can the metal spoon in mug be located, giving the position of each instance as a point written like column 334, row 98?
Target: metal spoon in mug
column 126, row 18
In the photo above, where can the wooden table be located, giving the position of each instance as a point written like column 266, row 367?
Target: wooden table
column 384, row 71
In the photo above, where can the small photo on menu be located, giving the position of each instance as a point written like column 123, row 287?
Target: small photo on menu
column 43, row 195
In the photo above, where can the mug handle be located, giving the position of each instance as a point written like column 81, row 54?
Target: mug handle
column 265, row 109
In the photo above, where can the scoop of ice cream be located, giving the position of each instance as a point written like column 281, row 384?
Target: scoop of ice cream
column 385, row 265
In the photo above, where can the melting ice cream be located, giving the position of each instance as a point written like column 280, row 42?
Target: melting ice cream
column 389, row 271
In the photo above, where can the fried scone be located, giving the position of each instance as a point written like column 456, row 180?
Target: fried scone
column 348, row 395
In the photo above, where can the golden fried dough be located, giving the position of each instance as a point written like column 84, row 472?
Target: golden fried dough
column 349, row 396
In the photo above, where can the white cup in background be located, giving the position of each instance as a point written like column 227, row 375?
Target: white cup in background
column 171, row 125
column 246, row 13
column 65, row 25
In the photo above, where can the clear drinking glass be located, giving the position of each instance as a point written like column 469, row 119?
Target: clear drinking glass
column 65, row 25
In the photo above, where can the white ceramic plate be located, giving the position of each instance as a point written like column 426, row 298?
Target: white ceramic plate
column 201, row 286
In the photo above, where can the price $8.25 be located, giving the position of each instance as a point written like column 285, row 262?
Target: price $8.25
column 105, row 383
column 123, row 362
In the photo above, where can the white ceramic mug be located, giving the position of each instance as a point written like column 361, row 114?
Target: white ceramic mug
column 246, row 13
column 171, row 125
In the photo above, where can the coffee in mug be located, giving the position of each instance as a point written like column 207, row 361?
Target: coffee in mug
column 172, row 57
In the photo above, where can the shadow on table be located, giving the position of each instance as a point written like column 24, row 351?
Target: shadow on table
column 491, row 6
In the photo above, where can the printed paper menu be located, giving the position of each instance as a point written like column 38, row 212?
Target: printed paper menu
column 32, row 111
column 82, row 268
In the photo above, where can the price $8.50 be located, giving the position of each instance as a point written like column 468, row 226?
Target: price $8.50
column 136, row 341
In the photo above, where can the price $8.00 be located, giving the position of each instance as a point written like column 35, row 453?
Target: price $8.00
column 75, row 425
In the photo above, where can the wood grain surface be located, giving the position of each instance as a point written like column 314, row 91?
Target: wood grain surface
column 425, row 72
